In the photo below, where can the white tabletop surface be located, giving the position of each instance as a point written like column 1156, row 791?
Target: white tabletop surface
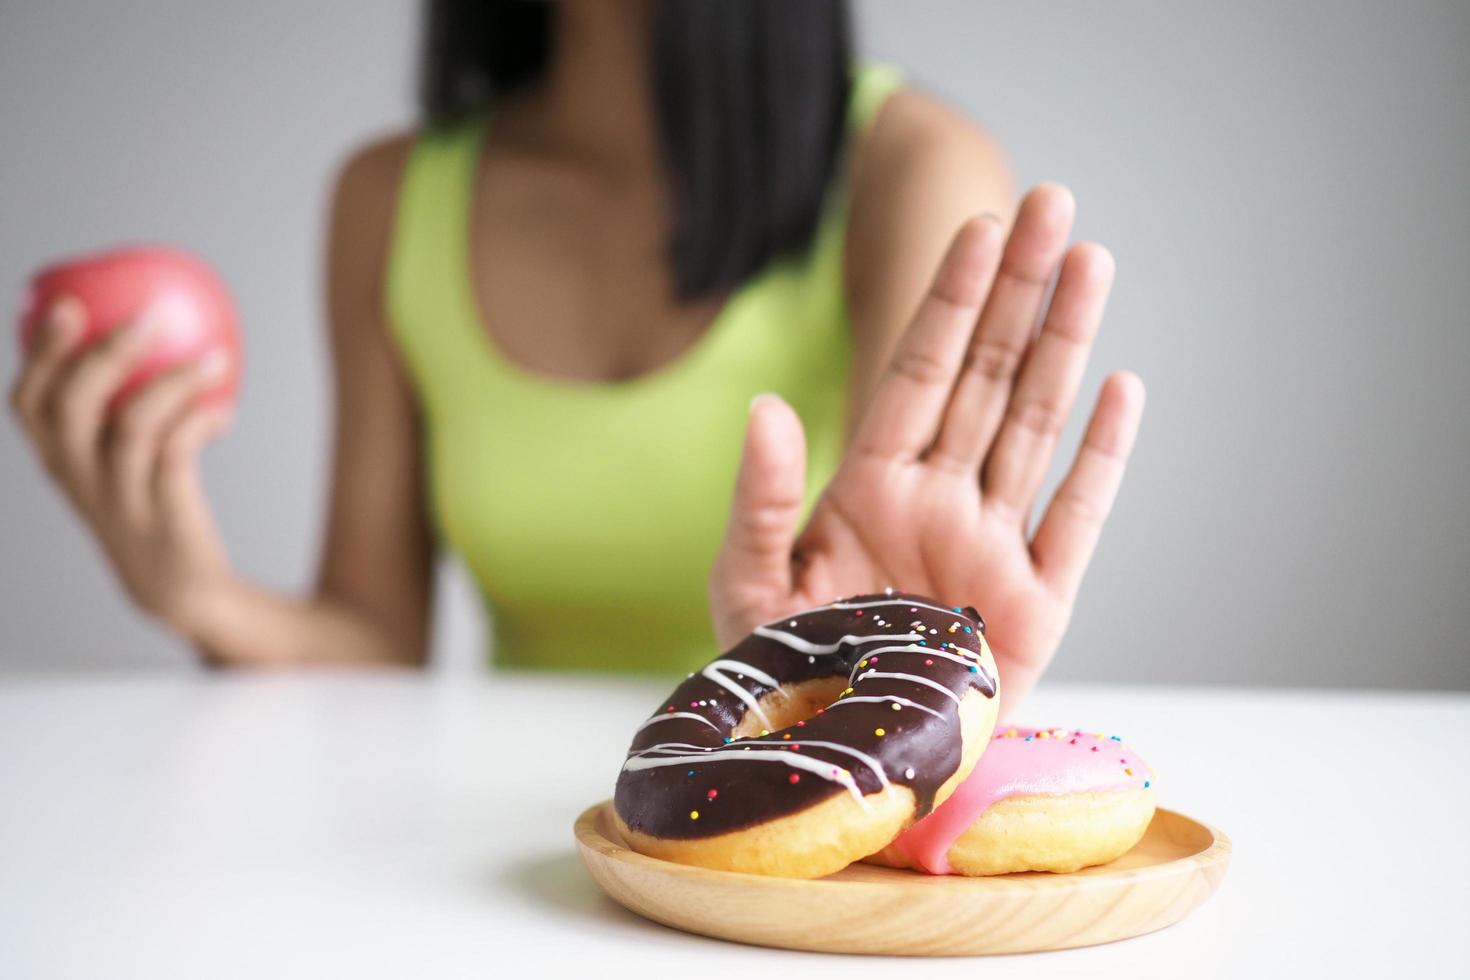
column 419, row 825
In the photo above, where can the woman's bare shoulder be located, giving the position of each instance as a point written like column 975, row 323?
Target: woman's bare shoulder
column 364, row 203
column 921, row 149
column 368, row 176
column 922, row 169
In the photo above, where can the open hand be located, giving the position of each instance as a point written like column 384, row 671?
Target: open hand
column 936, row 490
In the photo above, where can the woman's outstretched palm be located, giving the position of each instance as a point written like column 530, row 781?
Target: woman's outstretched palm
column 935, row 493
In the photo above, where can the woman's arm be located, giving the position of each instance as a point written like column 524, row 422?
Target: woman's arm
column 922, row 170
column 372, row 599
column 133, row 474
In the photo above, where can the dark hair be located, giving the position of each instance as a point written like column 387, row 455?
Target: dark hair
column 750, row 98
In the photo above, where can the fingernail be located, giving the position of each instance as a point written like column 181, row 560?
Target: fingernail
column 151, row 320
column 763, row 396
column 214, row 365
column 141, row 329
column 66, row 315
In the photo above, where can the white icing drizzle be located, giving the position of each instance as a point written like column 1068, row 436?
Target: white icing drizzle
column 885, row 697
column 863, row 757
column 796, row 760
column 674, row 747
column 867, row 760
column 714, row 673
column 911, row 677
column 807, row 646
column 678, row 714
column 912, row 604
column 928, row 651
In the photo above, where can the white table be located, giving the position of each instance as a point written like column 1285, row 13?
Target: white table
column 402, row 825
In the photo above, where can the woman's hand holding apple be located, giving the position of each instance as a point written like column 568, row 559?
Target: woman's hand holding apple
column 130, row 369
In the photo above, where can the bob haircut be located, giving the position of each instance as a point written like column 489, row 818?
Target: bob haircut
column 750, row 99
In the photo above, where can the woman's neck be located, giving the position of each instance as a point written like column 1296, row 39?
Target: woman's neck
column 596, row 98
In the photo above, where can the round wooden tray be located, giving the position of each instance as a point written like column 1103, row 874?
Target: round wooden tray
column 868, row 909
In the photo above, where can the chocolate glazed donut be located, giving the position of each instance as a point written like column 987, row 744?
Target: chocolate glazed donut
column 814, row 741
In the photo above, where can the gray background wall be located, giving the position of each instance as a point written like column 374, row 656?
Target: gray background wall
column 1284, row 187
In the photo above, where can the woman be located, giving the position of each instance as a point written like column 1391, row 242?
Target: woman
column 549, row 311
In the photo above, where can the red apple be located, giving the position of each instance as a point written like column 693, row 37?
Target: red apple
column 193, row 307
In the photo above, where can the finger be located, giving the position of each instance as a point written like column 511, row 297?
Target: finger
column 1032, row 253
column 1069, row 531
column 904, row 413
column 78, row 400
column 1048, row 383
column 178, row 494
column 58, row 336
column 137, row 431
column 769, row 492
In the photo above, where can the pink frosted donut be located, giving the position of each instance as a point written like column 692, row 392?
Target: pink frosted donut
column 1040, row 799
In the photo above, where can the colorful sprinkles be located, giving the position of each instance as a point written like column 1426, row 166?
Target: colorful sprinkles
column 1070, row 737
column 734, row 673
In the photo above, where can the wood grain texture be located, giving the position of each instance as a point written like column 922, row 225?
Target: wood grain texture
column 1173, row 869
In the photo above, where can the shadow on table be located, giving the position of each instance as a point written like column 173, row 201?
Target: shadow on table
column 558, row 882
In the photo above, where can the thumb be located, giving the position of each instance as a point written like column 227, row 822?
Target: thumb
column 756, row 556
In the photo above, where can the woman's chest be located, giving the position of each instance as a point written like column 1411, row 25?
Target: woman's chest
column 572, row 280
column 603, row 493
column 608, row 483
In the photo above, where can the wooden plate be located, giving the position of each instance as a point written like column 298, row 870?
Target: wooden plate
column 868, row 909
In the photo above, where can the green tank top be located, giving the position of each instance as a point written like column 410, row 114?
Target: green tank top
column 590, row 513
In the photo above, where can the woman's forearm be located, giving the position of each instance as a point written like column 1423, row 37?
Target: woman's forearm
column 238, row 624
